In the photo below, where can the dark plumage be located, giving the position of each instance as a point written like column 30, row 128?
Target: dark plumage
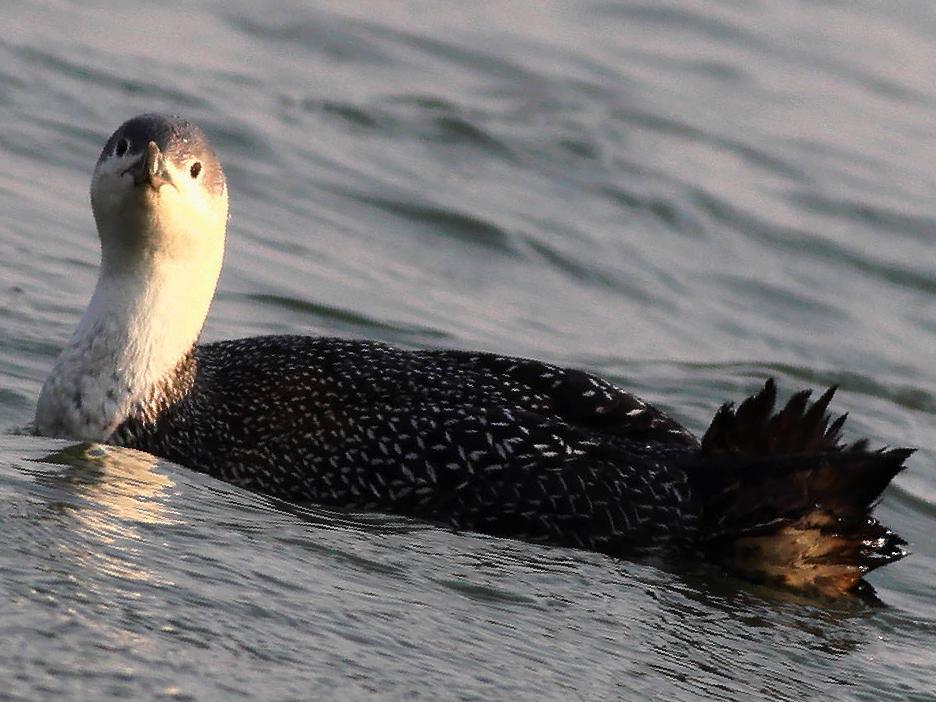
column 520, row 448
column 501, row 445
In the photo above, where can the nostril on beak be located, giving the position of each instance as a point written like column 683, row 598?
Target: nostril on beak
column 151, row 168
column 154, row 159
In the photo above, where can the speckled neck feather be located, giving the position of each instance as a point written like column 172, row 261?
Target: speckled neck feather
column 133, row 344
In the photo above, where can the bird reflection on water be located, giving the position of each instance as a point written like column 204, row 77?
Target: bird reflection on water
column 115, row 491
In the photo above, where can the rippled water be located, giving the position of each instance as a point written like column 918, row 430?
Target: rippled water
column 684, row 196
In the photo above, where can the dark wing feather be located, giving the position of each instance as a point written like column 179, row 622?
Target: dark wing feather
column 489, row 443
column 576, row 397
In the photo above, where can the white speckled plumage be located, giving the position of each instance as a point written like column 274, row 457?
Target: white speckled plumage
column 503, row 445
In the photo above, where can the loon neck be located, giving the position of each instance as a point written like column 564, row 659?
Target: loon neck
column 133, row 342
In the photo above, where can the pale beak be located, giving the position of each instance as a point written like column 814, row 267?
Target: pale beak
column 151, row 168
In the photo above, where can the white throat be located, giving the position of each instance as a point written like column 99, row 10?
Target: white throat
column 135, row 331
column 161, row 257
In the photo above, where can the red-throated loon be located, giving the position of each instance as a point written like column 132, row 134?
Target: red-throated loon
column 501, row 445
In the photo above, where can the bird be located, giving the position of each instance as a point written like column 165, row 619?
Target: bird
column 507, row 446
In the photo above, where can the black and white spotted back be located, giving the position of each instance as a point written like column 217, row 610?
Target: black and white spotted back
column 483, row 442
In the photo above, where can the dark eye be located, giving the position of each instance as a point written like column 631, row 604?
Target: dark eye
column 122, row 147
column 195, row 169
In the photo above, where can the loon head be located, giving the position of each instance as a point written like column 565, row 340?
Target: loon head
column 158, row 191
column 160, row 204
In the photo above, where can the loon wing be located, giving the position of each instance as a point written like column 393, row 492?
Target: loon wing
column 486, row 442
column 371, row 373
column 500, row 471
column 576, row 397
column 520, row 448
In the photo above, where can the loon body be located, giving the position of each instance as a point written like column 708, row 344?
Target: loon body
column 502, row 445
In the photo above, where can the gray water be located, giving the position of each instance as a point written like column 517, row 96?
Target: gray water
column 685, row 196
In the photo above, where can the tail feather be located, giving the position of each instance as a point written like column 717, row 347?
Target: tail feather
column 815, row 553
column 785, row 501
column 753, row 429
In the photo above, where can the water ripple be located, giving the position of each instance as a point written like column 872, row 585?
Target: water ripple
column 685, row 196
column 344, row 316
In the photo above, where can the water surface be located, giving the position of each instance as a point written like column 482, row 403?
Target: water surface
column 685, row 196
